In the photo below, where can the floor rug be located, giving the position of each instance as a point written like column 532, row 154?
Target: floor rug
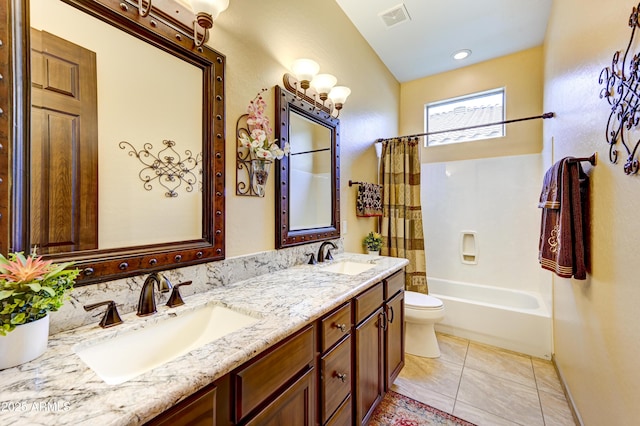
column 399, row 410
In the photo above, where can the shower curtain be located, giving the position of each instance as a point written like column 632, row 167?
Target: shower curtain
column 401, row 226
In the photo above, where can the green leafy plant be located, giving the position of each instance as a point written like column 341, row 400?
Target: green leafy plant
column 373, row 241
column 30, row 288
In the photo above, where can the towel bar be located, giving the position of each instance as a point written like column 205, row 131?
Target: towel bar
column 593, row 159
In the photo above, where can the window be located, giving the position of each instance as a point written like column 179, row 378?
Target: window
column 465, row 111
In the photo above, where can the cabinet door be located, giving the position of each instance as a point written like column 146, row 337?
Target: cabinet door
column 293, row 407
column 394, row 339
column 197, row 410
column 369, row 380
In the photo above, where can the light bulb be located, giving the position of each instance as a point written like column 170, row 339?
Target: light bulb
column 305, row 69
column 323, row 83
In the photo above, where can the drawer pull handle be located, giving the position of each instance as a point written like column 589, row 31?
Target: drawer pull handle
column 342, row 377
column 392, row 315
column 341, row 327
column 382, row 322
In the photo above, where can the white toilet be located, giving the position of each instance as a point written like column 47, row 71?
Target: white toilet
column 421, row 312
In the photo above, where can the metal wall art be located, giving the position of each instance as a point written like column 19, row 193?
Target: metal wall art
column 244, row 171
column 167, row 167
column 621, row 89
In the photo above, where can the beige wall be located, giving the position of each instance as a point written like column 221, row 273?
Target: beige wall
column 521, row 76
column 260, row 40
column 596, row 324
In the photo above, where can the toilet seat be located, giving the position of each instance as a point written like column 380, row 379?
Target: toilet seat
column 420, row 301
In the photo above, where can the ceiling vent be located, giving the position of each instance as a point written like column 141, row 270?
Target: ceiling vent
column 395, row 15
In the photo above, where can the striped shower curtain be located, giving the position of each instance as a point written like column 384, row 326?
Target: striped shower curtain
column 402, row 215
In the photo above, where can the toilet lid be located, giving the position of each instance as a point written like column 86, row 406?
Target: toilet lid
column 421, row 301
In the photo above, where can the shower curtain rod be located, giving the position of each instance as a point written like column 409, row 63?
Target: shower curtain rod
column 543, row 116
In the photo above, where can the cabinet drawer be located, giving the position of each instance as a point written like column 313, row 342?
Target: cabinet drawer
column 343, row 415
column 292, row 407
column 393, row 284
column 335, row 326
column 197, row 410
column 368, row 301
column 258, row 380
column 336, row 378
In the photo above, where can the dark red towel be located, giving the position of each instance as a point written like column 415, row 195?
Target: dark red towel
column 563, row 235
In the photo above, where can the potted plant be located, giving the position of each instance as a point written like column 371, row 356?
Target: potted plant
column 373, row 243
column 29, row 289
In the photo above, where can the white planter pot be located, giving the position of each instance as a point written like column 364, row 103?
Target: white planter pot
column 374, row 253
column 25, row 343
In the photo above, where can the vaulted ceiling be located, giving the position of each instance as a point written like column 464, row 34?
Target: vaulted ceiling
column 417, row 38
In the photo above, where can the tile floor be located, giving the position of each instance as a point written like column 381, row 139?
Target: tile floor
column 485, row 385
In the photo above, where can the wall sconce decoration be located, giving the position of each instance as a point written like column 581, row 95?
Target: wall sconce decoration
column 622, row 91
column 166, row 166
column 317, row 89
column 256, row 149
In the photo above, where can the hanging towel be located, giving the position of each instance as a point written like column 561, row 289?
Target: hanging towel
column 563, row 201
column 369, row 200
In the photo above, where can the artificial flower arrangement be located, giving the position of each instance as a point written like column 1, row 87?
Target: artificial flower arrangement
column 373, row 241
column 31, row 287
column 259, row 139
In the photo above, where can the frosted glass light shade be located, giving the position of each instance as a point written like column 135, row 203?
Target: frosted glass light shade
column 212, row 7
column 339, row 94
column 322, row 83
column 305, row 69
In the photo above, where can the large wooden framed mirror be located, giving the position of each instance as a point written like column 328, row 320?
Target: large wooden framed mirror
column 111, row 138
column 308, row 179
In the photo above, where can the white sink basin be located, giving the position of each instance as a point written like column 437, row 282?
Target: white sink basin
column 348, row 267
column 134, row 352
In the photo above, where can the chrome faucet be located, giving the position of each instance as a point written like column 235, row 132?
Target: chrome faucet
column 147, row 302
column 321, row 256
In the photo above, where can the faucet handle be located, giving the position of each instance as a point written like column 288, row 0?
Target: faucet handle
column 328, row 256
column 111, row 316
column 312, row 259
column 176, row 299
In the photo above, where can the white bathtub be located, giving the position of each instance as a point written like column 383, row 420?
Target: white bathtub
column 510, row 319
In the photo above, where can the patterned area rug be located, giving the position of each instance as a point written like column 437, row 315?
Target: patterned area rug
column 400, row 410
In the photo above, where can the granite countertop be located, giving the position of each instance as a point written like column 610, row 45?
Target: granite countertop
column 59, row 389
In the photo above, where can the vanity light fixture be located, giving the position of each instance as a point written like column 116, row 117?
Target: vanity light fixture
column 305, row 82
column 322, row 84
column 304, row 70
column 461, row 54
column 338, row 96
column 206, row 12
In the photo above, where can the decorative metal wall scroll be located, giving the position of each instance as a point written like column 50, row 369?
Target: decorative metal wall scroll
column 167, row 167
column 244, row 171
column 622, row 90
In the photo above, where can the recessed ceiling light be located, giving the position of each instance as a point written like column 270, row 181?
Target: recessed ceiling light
column 461, row 54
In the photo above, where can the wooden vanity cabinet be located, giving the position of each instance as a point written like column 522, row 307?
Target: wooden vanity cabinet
column 333, row 372
column 278, row 384
column 199, row 409
column 335, row 378
column 369, row 352
column 394, row 329
column 378, row 343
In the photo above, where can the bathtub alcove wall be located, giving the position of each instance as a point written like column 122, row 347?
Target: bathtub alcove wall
column 505, row 299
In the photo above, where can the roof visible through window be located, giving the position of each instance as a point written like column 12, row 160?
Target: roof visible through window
column 471, row 110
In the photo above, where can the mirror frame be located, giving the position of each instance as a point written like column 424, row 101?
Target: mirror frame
column 165, row 32
column 287, row 103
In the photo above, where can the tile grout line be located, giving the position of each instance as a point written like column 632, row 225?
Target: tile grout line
column 535, row 376
column 464, row 362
